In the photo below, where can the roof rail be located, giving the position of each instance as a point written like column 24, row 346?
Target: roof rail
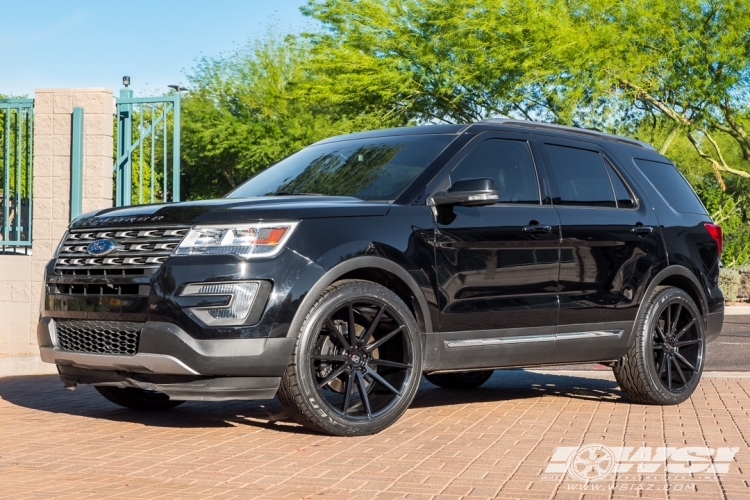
column 571, row 130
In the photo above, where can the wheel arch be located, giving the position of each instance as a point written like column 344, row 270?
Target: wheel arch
column 378, row 270
column 679, row 277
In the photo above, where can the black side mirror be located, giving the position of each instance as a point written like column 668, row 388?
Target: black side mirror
column 467, row 192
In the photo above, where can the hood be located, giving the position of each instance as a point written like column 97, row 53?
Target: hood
column 231, row 210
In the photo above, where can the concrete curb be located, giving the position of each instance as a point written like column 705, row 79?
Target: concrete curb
column 28, row 364
column 736, row 310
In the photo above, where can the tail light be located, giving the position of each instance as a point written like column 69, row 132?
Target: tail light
column 715, row 232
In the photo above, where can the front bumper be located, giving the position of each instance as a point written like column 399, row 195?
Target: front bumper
column 173, row 362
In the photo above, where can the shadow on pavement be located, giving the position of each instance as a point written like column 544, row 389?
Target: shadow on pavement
column 46, row 393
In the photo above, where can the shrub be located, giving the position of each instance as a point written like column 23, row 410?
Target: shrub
column 729, row 281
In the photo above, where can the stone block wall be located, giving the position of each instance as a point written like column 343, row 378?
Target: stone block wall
column 21, row 275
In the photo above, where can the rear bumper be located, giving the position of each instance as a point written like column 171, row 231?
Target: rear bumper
column 171, row 361
column 714, row 323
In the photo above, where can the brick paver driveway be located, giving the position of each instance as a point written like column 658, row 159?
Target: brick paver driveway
column 496, row 441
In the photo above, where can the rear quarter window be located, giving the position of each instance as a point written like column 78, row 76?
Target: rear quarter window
column 671, row 185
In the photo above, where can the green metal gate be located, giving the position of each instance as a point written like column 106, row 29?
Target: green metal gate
column 16, row 138
column 147, row 168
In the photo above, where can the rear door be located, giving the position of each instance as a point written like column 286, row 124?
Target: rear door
column 497, row 266
column 610, row 246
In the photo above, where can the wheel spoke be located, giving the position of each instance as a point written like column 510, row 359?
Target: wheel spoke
column 392, row 364
column 661, row 364
column 679, row 371
column 684, row 329
column 668, row 324
column 676, row 319
column 661, row 333
column 375, row 375
column 363, row 393
column 332, row 376
column 685, row 361
column 383, row 339
column 687, row 342
column 669, row 371
column 352, row 329
column 371, row 329
column 330, row 357
column 658, row 347
column 347, row 393
column 338, row 334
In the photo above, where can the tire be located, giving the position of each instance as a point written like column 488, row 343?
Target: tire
column 137, row 399
column 331, row 367
column 665, row 363
column 461, row 380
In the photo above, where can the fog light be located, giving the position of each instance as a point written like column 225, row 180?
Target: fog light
column 241, row 298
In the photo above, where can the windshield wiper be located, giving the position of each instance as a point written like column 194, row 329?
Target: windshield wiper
column 295, row 193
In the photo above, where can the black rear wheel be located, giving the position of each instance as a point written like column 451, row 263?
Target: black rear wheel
column 665, row 364
column 137, row 399
column 460, row 380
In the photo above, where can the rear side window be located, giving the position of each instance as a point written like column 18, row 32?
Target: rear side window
column 672, row 186
column 508, row 163
column 581, row 176
column 622, row 193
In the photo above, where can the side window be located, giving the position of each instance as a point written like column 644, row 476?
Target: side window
column 671, row 185
column 581, row 176
column 622, row 193
column 508, row 163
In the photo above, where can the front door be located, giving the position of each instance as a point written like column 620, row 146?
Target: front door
column 497, row 266
column 611, row 243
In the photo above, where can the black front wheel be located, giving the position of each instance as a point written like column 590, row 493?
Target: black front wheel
column 137, row 399
column 460, row 380
column 665, row 364
column 357, row 364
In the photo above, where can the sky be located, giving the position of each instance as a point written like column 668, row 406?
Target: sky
column 94, row 43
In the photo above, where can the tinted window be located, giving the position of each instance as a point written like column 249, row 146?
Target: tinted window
column 622, row 193
column 370, row 169
column 672, row 186
column 581, row 176
column 508, row 163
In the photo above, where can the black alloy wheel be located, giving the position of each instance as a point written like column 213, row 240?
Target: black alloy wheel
column 357, row 365
column 677, row 346
column 361, row 359
column 665, row 362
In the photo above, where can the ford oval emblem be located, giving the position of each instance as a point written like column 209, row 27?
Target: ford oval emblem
column 100, row 247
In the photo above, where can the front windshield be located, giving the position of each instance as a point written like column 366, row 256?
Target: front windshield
column 377, row 169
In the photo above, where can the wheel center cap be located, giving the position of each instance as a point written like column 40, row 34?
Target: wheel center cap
column 356, row 359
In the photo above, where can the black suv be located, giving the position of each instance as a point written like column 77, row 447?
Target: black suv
column 340, row 275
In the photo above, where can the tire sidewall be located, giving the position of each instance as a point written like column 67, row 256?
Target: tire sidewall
column 312, row 399
column 647, row 364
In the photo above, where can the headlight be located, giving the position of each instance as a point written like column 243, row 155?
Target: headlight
column 247, row 240
column 241, row 297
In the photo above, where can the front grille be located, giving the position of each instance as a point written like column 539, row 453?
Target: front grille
column 99, row 337
column 136, row 251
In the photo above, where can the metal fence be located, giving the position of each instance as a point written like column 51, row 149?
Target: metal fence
column 147, row 165
column 16, row 165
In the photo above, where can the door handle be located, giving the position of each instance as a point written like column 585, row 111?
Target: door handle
column 537, row 229
column 642, row 230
